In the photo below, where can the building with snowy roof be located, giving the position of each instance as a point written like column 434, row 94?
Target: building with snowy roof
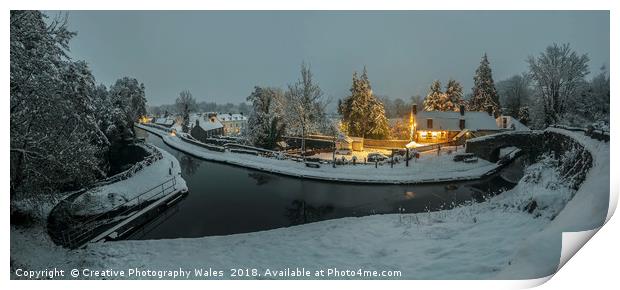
column 509, row 122
column 440, row 126
column 166, row 122
column 234, row 124
column 206, row 126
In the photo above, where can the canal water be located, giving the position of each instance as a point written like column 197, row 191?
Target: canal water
column 225, row 199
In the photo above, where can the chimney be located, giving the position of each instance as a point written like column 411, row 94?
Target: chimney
column 462, row 109
column 490, row 110
column 414, row 109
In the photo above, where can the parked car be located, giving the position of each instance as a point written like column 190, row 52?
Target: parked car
column 471, row 159
column 462, row 156
column 313, row 164
column 376, row 157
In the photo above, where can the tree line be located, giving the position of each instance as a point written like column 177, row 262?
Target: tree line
column 553, row 91
column 62, row 123
column 199, row 106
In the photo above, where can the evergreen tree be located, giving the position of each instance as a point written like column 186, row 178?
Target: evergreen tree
column 363, row 115
column 524, row 115
column 266, row 123
column 454, row 95
column 484, row 92
column 435, row 98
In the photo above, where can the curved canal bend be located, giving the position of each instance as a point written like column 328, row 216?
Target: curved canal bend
column 226, row 200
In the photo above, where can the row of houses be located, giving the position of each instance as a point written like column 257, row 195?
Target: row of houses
column 209, row 124
column 426, row 126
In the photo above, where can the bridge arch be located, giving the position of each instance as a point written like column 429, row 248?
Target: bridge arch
column 488, row 147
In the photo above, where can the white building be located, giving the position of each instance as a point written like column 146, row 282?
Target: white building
column 167, row 122
column 234, row 124
column 509, row 122
column 440, row 126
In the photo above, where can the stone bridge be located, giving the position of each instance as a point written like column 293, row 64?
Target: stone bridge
column 488, row 147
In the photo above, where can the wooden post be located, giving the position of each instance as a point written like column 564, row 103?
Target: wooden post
column 407, row 157
column 334, row 154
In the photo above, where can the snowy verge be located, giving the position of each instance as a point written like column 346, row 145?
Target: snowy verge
column 427, row 169
column 474, row 241
column 104, row 198
column 544, row 253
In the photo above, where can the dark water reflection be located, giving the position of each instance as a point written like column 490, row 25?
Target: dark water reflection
column 224, row 199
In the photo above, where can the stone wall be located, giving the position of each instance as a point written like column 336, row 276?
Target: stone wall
column 574, row 160
column 488, row 147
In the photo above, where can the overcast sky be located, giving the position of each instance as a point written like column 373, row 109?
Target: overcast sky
column 221, row 56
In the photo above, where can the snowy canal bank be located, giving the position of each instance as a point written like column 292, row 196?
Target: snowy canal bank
column 119, row 204
column 428, row 169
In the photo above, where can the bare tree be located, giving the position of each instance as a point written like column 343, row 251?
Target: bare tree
column 557, row 73
column 185, row 104
column 304, row 106
column 514, row 93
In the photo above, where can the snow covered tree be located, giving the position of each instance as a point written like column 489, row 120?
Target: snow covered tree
column 55, row 140
column 363, row 115
column 266, row 125
column 484, row 93
column 590, row 103
column 185, row 103
column 128, row 99
column 304, row 107
column 524, row 115
column 557, row 73
column 454, row 95
column 435, row 98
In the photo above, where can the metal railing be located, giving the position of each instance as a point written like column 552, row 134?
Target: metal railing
column 87, row 229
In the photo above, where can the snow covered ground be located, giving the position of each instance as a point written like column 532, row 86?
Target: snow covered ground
column 468, row 242
column 429, row 168
column 540, row 254
column 504, row 237
column 104, row 198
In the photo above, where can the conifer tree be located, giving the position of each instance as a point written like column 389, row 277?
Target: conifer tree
column 434, row 98
column 484, row 92
column 362, row 113
column 454, row 94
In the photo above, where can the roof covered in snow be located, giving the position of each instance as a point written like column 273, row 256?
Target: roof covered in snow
column 231, row 117
column 207, row 123
column 164, row 121
column 449, row 121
